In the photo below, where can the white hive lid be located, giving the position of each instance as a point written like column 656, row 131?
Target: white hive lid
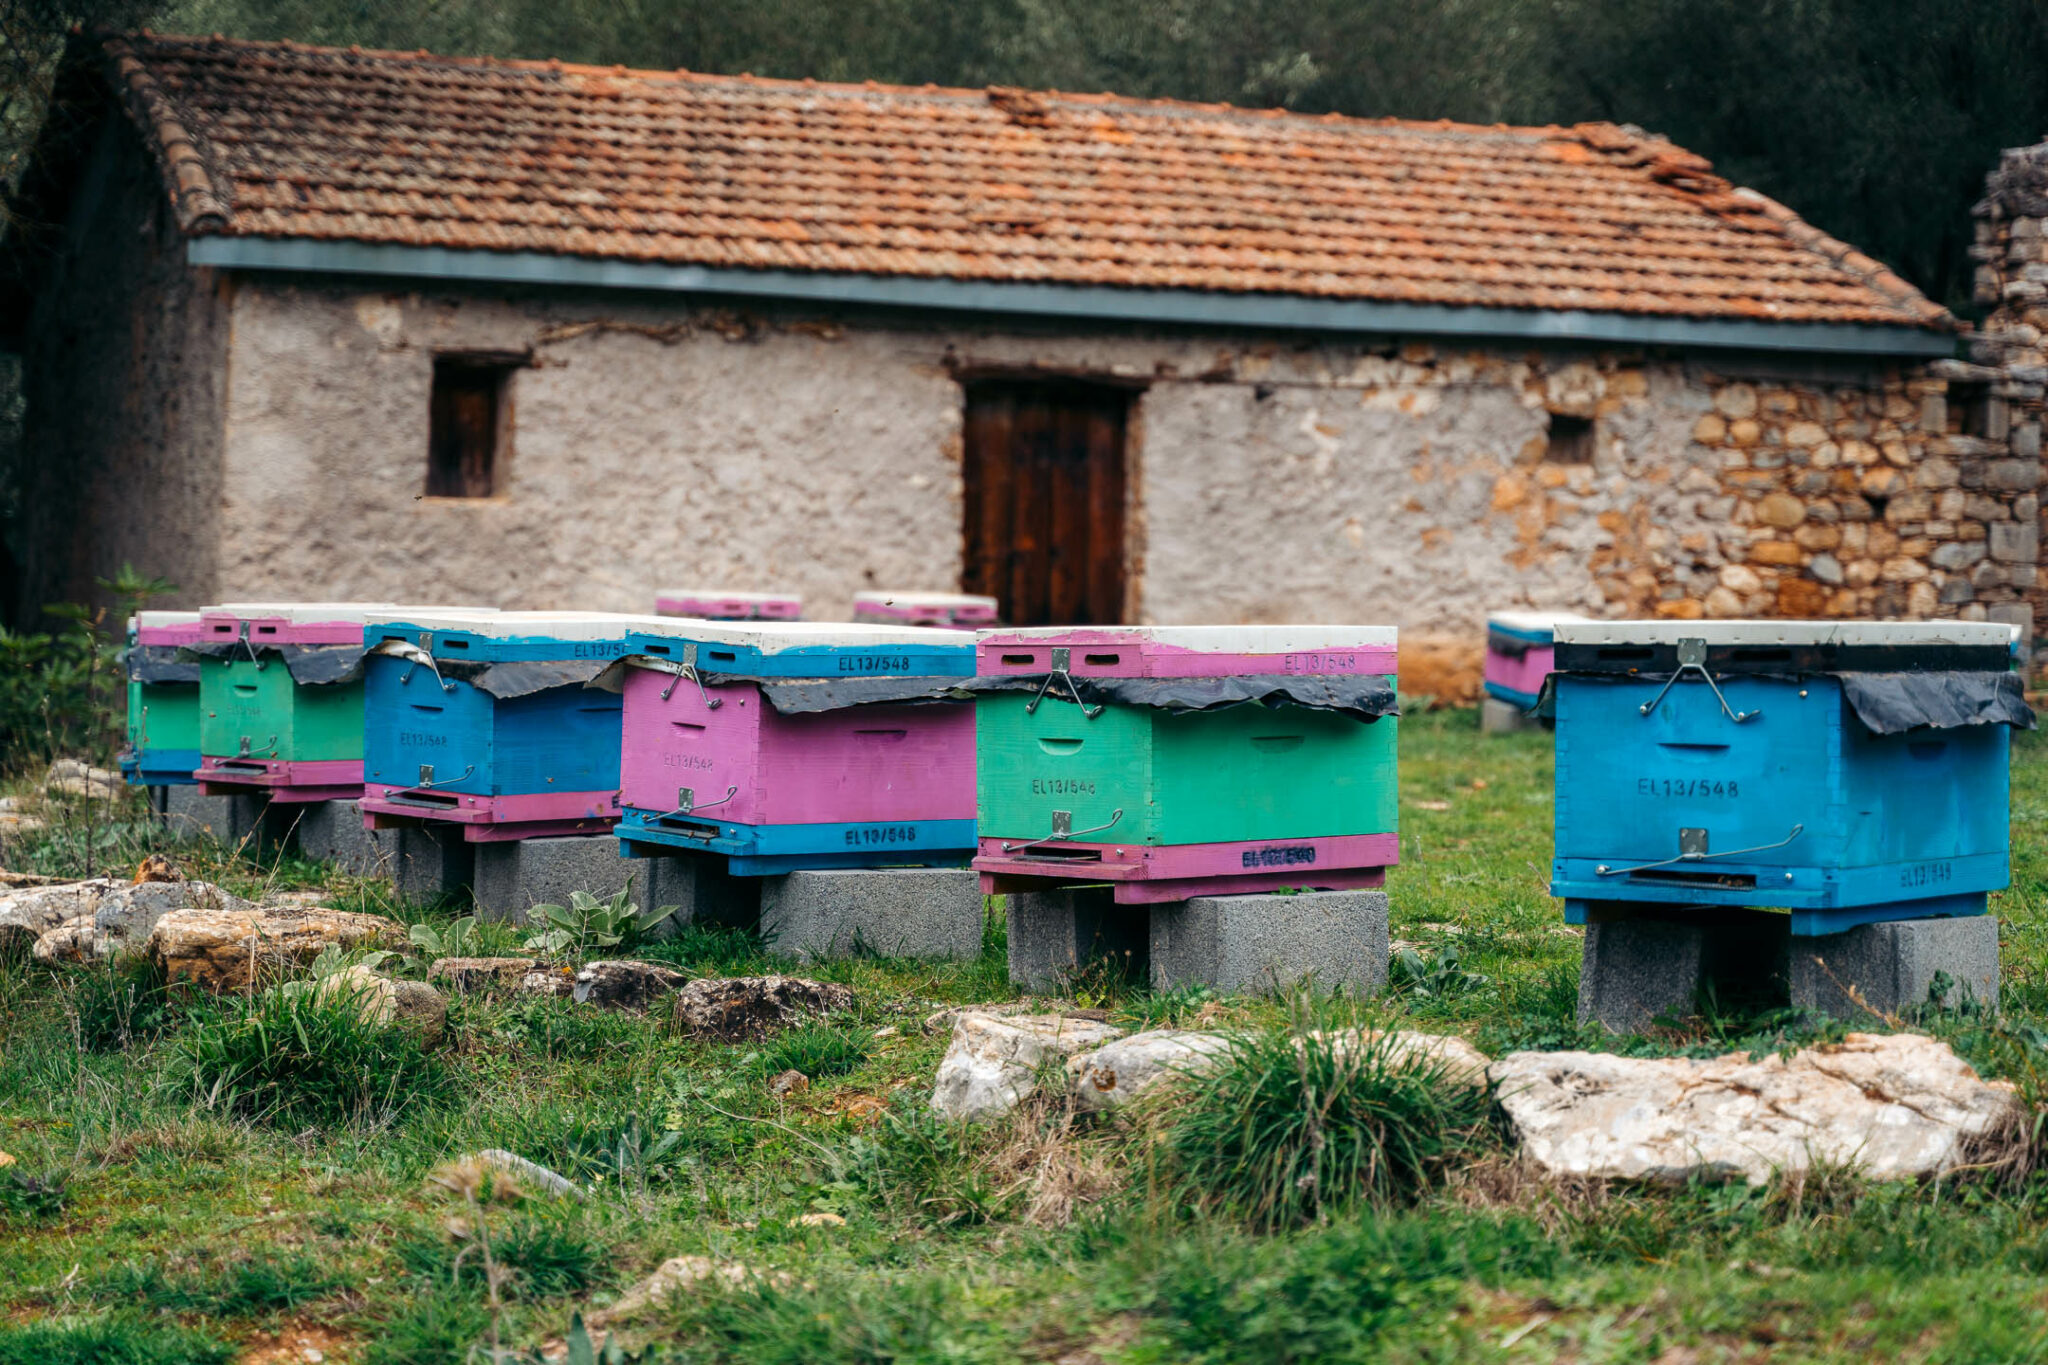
column 1212, row 639
column 148, row 620
column 774, row 637
column 1893, row 633
column 1531, row 619
column 505, row 625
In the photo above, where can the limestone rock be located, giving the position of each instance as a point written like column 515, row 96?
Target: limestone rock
column 1459, row 1062
column 738, row 1008
column 219, row 949
column 992, row 1063
column 75, row 777
column 422, row 1008
column 75, row 940
column 783, row 1084
column 384, row 1000
column 27, row 915
column 555, row 981
column 469, row 975
column 626, row 984
column 1891, row 1105
column 127, row 915
column 1119, row 1072
column 14, row 822
column 674, row 1275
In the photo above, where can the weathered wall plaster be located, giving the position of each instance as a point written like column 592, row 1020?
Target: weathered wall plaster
column 120, row 452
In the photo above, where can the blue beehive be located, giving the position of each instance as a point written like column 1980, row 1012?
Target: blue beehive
column 1849, row 772
column 483, row 719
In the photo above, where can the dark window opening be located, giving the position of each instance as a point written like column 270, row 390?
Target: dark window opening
column 1571, row 440
column 470, row 426
column 1044, row 474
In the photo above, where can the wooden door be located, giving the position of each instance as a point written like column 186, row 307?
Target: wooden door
column 1045, row 500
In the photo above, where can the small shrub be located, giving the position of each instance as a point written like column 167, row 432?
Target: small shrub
column 1289, row 1129
column 435, row 1328
column 630, row 1150
column 540, row 1257
column 118, row 1003
column 817, row 1050
column 265, row 1282
column 118, row 1340
column 1440, row 976
column 26, row 1198
column 586, row 923
column 292, row 1059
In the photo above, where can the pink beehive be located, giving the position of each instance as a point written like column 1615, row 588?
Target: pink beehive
column 706, row 604
column 960, row 610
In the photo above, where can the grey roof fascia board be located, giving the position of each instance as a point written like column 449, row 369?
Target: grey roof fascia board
column 1185, row 307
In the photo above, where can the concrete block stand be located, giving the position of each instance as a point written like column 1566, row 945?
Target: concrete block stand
column 511, row 878
column 923, row 912
column 1634, row 969
column 1497, row 717
column 187, row 814
column 701, row 889
column 1264, row 944
column 1055, row 934
column 1890, row 967
column 332, row 832
column 431, row 862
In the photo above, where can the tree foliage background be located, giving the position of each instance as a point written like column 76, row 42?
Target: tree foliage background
column 1876, row 119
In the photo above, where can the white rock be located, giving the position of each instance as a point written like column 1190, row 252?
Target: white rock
column 993, row 1063
column 673, row 1275
column 1893, row 1106
column 1459, row 1061
column 75, row 940
column 1119, row 1072
column 37, row 910
column 74, row 777
column 126, row 916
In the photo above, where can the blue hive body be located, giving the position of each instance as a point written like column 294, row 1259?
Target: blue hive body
column 1800, row 805
column 442, row 736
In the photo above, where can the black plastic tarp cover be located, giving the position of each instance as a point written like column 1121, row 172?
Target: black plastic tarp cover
column 1887, row 703
column 309, row 665
column 160, row 664
column 798, row 696
column 1360, row 696
column 503, row 679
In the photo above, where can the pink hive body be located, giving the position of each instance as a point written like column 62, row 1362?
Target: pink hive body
column 858, row 765
column 1525, row 674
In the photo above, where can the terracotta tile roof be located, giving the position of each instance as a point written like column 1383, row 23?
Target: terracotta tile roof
column 282, row 140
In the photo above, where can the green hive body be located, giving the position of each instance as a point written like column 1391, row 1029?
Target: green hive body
column 244, row 699
column 1241, row 773
column 163, row 715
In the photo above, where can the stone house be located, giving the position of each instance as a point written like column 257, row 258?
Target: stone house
column 344, row 324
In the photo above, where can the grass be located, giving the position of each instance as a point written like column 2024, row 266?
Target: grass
column 210, row 1183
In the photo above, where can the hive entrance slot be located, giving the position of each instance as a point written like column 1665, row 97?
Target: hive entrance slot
column 240, row 767
column 426, row 799
column 1019, row 658
column 1625, row 653
column 1102, row 660
column 690, row 829
column 450, row 642
column 1724, row 881
column 1063, row 853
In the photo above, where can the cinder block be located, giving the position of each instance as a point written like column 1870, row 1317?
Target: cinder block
column 432, row 861
column 1497, row 717
column 1890, row 967
column 701, row 889
column 332, row 832
column 513, row 877
column 1261, row 944
column 1053, row 934
column 186, row 813
column 1633, row 970
column 928, row 912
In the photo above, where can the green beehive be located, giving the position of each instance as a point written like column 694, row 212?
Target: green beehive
column 163, row 700
column 251, row 708
column 1179, row 761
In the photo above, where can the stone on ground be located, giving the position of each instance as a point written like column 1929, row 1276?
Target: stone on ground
column 736, row 1009
column 383, row 1000
column 75, row 777
column 1120, row 1071
column 218, row 950
column 1891, row 1106
column 674, row 1275
column 626, row 984
column 27, row 915
column 993, row 1063
column 555, row 981
column 471, row 975
column 122, row 916
column 1459, row 1062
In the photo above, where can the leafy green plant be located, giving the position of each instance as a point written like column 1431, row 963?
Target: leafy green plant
column 1441, row 975
column 817, row 1050
column 120, row 1339
column 571, row 931
column 1291, row 1128
column 458, row 938
column 292, row 1058
column 581, row 1351
column 63, row 692
column 631, row 1151
column 26, row 1198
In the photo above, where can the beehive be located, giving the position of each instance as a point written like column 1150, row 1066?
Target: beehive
column 1519, row 650
column 484, row 720
column 959, row 610
column 260, row 728
column 708, row 604
column 1849, row 772
column 1165, row 800
column 163, row 700
column 786, row 746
